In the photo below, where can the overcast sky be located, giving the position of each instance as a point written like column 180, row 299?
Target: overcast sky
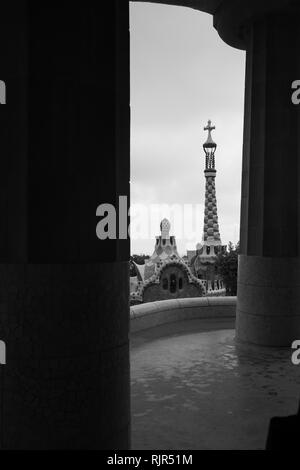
column 183, row 74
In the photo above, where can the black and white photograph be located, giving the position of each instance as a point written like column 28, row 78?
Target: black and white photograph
column 150, row 228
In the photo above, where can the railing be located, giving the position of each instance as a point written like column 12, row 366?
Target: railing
column 153, row 314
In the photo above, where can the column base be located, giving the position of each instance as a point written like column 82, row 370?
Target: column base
column 65, row 385
column 268, row 301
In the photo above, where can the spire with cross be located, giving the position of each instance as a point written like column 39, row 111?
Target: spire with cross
column 209, row 148
column 211, row 235
column 209, row 128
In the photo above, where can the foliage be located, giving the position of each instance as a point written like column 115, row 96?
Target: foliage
column 138, row 259
column 227, row 266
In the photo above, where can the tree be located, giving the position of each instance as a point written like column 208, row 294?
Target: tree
column 138, row 259
column 227, row 266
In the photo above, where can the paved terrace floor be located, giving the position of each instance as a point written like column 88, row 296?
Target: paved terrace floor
column 194, row 388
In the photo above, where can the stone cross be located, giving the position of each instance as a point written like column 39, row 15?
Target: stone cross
column 209, row 127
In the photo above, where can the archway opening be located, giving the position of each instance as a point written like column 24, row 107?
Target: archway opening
column 182, row 75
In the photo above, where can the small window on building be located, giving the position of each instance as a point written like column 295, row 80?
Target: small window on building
column 180, row 284
column 165, row 284
column 208, row 250
column 173, row 284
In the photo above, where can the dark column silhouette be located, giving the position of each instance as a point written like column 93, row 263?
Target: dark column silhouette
column 64, row 136
column 268, row 308
column 283, row 433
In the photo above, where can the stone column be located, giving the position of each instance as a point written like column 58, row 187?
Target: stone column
column 64, row 137
column 268, row 307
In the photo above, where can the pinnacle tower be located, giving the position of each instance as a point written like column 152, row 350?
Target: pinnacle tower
column 203, row 264
column 211, row 235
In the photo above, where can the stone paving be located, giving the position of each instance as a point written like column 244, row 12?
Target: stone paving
column 193, row 387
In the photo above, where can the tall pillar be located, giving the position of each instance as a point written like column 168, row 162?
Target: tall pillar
column 268, row 306
column 208, row 249
column 64, row 142
column 211, row 233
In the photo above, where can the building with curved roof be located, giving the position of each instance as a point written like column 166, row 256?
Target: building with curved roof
column 165, row 275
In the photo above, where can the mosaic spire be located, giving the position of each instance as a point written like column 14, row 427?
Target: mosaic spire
column 211, row 233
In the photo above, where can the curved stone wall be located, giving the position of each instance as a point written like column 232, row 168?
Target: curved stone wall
column 153, row 314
